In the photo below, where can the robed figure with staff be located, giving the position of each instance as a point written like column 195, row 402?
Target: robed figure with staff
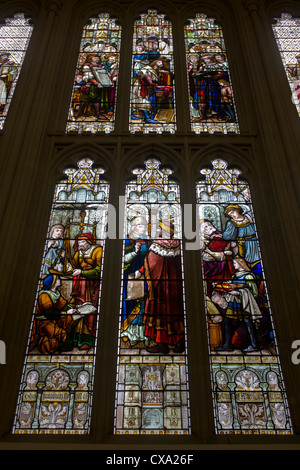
column 164, row 308
column 82, row 265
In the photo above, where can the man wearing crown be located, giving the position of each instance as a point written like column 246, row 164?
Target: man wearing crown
column 164, row 310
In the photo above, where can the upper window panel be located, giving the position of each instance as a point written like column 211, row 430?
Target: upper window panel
column 92, row 107
column 14, row 39
column 212, row 107
column 152, row 103
column 287, row 34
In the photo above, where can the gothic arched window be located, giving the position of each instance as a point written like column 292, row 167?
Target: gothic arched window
column 93, row 103
column 248, row 388
column 14, row 39
column 287, row 34
column 152, row 100
column 57, row 383
column 152, row 382
column 212, row 107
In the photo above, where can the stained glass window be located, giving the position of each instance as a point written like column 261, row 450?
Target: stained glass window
column 247, row 383
column 152, row 107
column 14, row 39
column 212, row 107
column 94, row 93
column 287, row 34
column 152, row 379
column 57, row 383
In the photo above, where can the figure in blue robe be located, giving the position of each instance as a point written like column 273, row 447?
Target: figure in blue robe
column 240, row 228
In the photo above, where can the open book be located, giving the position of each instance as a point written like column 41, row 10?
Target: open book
column 84, row 309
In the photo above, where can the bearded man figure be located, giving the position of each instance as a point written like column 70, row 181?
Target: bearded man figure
column 53, row 319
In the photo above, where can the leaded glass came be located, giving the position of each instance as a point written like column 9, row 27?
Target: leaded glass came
column 287, row 34
column 212, row 107
column 14, row 39
column 248, row 389
column 152, row 102
column 152, row 380
column 57, row 384
column 94, row 93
